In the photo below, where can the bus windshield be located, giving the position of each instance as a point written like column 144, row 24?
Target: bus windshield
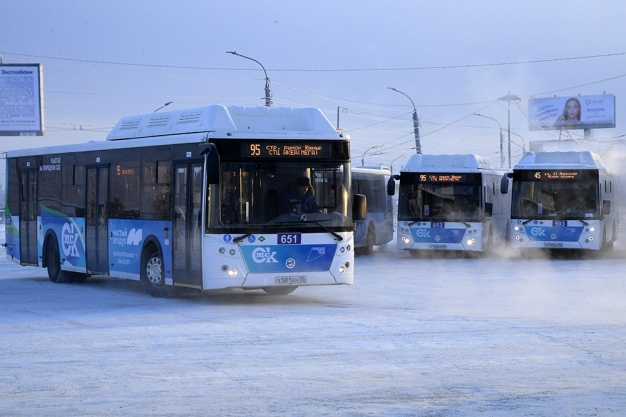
column 426, row 197
column 550, row 199
column 269, row 195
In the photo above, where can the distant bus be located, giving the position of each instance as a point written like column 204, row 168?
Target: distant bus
column 563, row 200
column 377, row 227
column 451, row 203
column 189, row 198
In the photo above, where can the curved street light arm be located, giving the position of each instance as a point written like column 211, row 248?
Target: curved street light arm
column 268, row 97
column 416, row 123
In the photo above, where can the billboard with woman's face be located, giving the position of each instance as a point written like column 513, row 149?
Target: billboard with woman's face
column 574, row 112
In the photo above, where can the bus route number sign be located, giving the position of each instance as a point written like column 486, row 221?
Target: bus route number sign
column 289, row 238
column 285, row 150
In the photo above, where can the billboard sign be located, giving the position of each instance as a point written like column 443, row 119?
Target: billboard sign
column 579, row 112
column 21, row 100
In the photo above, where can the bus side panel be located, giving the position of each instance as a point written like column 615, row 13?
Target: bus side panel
column 126, row 240
column 12, row 238
column 70, row 234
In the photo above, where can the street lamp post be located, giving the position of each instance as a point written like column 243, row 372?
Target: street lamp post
column 510, row 98
column 523, row 143
column 401, row 156
column 416, row 124
column 165, row 105
column 363, row 157
column 501, row 137
column 268, row 97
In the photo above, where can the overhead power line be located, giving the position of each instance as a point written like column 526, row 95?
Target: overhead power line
column 535, row 61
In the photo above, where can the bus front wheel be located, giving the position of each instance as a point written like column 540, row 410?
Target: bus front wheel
column 53, row 263
column 152, row 274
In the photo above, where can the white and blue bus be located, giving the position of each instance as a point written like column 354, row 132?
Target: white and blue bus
column 450, row 203
column 562, row 200
column 377, row 227
column 189, row 198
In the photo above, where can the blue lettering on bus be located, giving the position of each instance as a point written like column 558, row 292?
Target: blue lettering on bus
column 126, row 241
column 437, row 234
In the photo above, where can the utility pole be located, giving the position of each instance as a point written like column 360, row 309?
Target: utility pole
column 416, row 123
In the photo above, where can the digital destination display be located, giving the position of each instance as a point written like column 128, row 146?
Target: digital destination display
column 556, row 175
column 441, row 177
column 285, row 150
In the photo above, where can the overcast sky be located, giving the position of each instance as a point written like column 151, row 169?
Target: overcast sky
column 107, row 59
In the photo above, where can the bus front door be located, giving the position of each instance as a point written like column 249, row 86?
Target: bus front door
column 187, row 223
column 96, row 220
column 28, row 219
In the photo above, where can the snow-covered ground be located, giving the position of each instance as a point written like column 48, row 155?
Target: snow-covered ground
column 450, row 337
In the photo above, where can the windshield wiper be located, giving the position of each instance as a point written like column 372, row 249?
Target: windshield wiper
column 317, row 222
column 242, row 237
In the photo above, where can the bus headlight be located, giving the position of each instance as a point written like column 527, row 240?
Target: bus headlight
column 405, row 240
column 518, row 228
column 342, row 269
column 232, row 273
column 470, row 242
column 591, row 229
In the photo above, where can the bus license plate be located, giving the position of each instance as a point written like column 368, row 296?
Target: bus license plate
column 552, row 245
column 433, row 246
column 290, row 280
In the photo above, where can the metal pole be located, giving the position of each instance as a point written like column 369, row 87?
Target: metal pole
column 523, row 142
column 416, row 123
column 165, row 105
column 401, row 156
column 268, row 96
column 509, row 118
column 501, row 137
column 363, row 157
column 509, row 98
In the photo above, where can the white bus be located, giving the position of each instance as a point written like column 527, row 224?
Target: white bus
column 189, row 198
column 562, row 200
column 450, row 203
column 377, row 227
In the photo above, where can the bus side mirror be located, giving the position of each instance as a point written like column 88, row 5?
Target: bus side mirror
column 606, row 207
column 212, row 162
column 504, row 184
column 391, row 185
column 489, row 209
column 359, row 207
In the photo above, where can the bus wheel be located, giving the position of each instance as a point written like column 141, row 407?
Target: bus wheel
column 280, row 290
column 53, row 263
column 152, row 276
column 371, row 239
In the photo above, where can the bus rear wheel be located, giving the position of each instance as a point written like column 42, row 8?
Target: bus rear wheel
column 152, row 274
column 53, row 263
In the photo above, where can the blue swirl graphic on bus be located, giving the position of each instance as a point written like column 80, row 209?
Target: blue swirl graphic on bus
column 293, row 258
column 549, row 233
